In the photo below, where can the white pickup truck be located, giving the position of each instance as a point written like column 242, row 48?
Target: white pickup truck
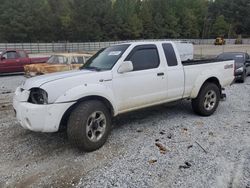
column 116, row 80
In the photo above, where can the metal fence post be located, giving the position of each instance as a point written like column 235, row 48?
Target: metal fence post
column 30, row 48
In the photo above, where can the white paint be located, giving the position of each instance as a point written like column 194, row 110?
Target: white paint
column 125, row 91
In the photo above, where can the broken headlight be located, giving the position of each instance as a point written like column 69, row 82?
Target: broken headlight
column 38, row 96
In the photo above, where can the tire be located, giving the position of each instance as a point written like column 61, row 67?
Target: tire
column 243, row 77
column 89, row 125
column 207, row 100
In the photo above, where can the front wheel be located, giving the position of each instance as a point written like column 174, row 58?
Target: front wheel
column 89, row 125
column 207, row 100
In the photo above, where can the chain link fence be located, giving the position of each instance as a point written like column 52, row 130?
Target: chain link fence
column 90, row 46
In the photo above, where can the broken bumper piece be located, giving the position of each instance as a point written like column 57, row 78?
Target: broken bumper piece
column 40, row 118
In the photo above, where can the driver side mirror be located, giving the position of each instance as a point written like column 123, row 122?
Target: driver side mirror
column 3, row 58
column 126, row 66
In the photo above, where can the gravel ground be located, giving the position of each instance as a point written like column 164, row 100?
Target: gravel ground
column 191, row 151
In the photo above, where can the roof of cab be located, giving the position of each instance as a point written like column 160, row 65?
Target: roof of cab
column 72, row 54
column 153, row 42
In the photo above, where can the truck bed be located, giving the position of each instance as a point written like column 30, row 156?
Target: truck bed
column 206, row 68
column 200, row 61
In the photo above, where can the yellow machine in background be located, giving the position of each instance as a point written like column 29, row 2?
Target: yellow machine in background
column 220, row 41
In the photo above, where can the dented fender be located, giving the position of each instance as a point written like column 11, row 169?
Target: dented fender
column 201, row 79
column 87, row 90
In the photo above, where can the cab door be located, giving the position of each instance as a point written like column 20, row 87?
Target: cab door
column 10, row 62
column 146, row 84
column 23, row 58
column 175, row 72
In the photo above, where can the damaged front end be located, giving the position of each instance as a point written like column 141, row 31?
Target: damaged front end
column 38, row 96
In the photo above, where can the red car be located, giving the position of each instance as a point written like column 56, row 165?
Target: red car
column 12, row 61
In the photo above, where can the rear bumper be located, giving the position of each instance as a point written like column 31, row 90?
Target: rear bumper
column 40, row 118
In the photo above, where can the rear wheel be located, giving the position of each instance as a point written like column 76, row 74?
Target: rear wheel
column 89, row 125
column 207, row 100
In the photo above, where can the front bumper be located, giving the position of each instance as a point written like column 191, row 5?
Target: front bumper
column 238, row 74
column 238, row 77
column 40, row 118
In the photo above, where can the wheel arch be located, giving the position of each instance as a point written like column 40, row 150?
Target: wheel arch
column 65, row 117
column 213, row 80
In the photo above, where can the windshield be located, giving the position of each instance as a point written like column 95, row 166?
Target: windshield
column 106, row 58
column 57, row 59
column 238, row 57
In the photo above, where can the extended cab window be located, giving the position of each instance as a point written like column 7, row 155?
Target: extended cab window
column 170, row 54
column 22, row 54
column 77, row 60
column 57, row 59
column 144, row 57
column 10, row 55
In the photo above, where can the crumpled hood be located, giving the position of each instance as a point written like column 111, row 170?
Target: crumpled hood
column 57, row 84
column 41, row 80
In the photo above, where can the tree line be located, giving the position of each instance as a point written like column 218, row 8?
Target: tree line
column 103, row 20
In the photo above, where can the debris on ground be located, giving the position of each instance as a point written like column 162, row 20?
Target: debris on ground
column 169, row 136
column 5, row 92
column 152, row 161
column 163, row 149
column 162, row 132
column 201, row 146
column 139, row 130
column 199, row 123
column 211, row 134
column 185, row 166
column 184, row 129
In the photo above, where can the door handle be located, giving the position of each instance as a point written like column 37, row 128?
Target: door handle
column 160, row 74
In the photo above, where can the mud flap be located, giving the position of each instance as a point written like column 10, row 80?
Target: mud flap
column 223, row 97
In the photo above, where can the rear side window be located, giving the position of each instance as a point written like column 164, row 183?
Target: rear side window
column 170, row 54
column 144, row 57
column 22, row 54
column 56, row 59
column 77, row 60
